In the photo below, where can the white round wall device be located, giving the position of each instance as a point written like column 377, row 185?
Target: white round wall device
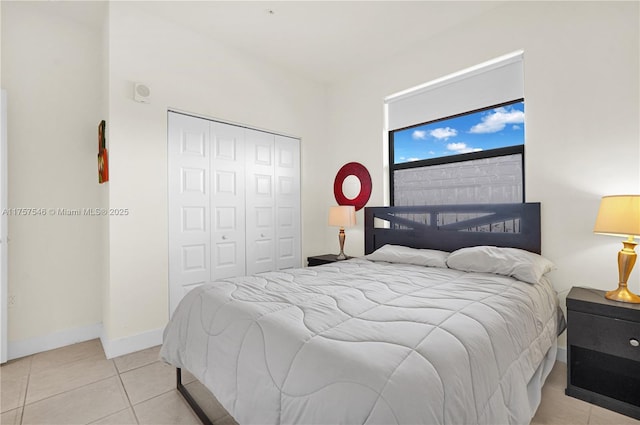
column 141, row 93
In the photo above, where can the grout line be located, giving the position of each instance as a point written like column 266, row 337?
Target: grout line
column 155, row 396
column 589, row 415
column 138, row 367
column 64, row 361
column 126, row 393
column 66, row 391
column 93, row 357
column 26, row 391
column 110, row 414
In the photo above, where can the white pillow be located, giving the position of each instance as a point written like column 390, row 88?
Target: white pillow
column 407, row 255
column 518, row 263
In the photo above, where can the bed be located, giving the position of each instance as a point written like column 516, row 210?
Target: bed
column 448, row 319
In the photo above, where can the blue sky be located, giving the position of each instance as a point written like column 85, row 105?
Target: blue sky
column 489, row 129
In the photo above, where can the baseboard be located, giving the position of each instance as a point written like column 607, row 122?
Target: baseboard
column 26, row 347
column 561, row 355
column 121, row 346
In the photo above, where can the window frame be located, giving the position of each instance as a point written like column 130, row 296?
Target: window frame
column 450, row 159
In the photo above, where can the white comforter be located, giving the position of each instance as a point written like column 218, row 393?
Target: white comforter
column 359, row 342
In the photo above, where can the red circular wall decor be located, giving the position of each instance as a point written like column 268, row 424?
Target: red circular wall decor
column 360, row 172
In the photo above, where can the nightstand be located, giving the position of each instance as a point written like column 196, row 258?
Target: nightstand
column 603, row 351
column 318, row 260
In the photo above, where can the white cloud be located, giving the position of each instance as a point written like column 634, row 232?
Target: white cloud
column 419, row 135
column 515, row 127
column 443, row 132
column 405, row 159
column 497, row 120
column 460, row 147
column 456, row 146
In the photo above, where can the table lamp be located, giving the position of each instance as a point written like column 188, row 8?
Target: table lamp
column 342, row 216
column 619, row 215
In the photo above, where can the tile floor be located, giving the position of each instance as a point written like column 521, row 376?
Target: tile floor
column 78, row 385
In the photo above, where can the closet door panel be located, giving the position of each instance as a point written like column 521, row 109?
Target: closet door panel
column 260, row 201
column 227, row 201
column 188, row 203
column 287, row 199
column 234, row 202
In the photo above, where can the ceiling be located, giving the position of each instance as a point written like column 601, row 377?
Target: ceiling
column 324, row 40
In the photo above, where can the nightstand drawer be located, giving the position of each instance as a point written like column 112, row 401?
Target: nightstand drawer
column 604, row 334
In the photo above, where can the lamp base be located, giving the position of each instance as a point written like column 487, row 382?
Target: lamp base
column 622, row 294
column 341, row 256
column 626, row 259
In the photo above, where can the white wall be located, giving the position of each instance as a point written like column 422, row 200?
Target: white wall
column 187, row 72
column 51, row 69
column 582, row 120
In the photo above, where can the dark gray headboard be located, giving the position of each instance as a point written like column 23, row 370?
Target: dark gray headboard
column 450, row 227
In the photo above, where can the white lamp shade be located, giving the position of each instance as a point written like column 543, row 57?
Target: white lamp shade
column 342, row 216
column 619, row 215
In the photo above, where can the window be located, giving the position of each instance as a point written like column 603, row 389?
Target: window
column 470, row 158
column 492, row 128
column 459, row 139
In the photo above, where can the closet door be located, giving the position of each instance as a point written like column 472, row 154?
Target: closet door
column 260, row 201
column 287, row 197
column 188, row 203
column 234, row 202
column 227, row 200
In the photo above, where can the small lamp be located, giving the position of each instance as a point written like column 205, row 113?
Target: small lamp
column 342, row 216
column 619, row 215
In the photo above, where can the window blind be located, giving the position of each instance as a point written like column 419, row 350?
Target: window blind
column 490, row 83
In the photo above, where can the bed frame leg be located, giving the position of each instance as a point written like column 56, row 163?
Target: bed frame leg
column 190, row 400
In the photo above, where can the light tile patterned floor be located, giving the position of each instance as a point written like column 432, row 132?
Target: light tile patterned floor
column 78, row 385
